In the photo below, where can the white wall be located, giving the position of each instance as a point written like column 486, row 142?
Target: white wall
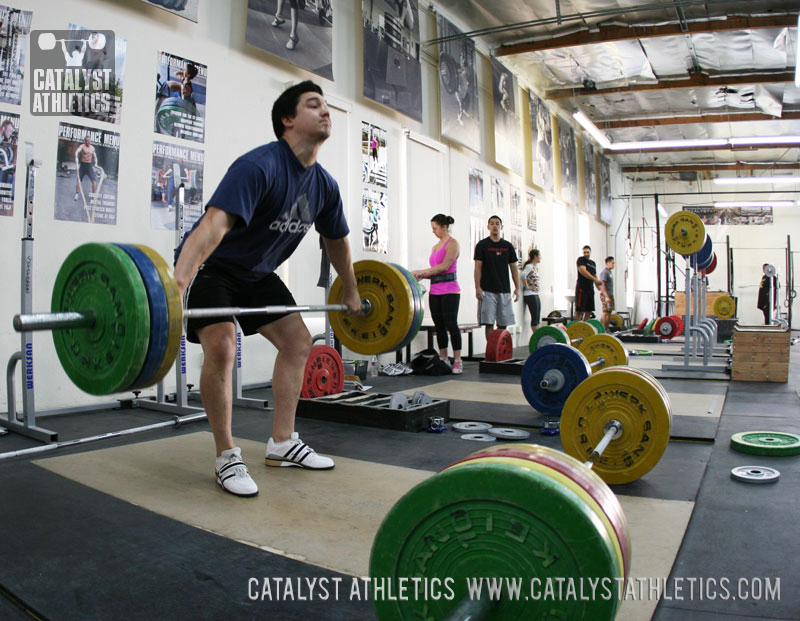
column 242, row 84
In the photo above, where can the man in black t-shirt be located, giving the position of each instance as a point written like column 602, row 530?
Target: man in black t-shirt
column 493, row 258
column 584, row 292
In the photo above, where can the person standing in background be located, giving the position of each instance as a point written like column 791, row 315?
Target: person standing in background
column 494, row 256
column 607, row 291
column 584, row 293
column 445, row 294
column 530, row 286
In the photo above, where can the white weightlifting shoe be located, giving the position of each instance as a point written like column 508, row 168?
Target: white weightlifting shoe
column 295, row 452
column 232, row 474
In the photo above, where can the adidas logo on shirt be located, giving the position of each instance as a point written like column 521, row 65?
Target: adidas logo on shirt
column 298, row 220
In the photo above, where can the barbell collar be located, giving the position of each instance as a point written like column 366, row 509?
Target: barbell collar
column 613, row 431
column 87, row 319
column 600, row 360
column 553, row 380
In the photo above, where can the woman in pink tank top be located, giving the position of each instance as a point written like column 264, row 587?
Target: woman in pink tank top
column 444, row 294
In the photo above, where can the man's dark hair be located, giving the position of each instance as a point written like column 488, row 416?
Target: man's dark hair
column 493, row 218
column 609, row 259
column 585, row 247
column 286, row 104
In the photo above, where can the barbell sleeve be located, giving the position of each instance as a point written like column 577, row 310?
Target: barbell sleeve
column 54, row 321
column 87, row 319
column 613, row 429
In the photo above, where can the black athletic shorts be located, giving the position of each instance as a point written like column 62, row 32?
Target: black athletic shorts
column 86, row 170
column 584, row 299
column 214, row 287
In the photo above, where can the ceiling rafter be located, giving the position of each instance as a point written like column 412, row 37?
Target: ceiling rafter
column 720, row 166
column 699, row 80
column 717, row 117
column 610, row 33
column 725, row 147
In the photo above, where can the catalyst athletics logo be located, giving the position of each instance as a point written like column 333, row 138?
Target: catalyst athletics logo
column 73, row 72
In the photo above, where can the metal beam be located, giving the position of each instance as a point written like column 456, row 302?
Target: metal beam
column 713, row 167
column 699, row 80
column 606, row 34
column 697, row 118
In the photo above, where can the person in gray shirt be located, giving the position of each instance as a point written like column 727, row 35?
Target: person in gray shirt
column 607, row 291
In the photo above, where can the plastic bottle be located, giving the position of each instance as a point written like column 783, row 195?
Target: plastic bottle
column 373, row 366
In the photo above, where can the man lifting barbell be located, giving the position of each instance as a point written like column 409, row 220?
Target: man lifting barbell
column 262, row 208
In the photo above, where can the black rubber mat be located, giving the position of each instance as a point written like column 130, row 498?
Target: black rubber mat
column 80, row 554
column 740, row 530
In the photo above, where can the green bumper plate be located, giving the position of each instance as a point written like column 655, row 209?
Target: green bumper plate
column 766, row 443
column 547, row 335
column 107, row 358
column 491, row 520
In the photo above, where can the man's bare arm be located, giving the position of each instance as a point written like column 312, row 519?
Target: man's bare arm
column 342, row 260
column 205, row 237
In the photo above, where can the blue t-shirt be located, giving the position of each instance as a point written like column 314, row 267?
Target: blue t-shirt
column 277, row 200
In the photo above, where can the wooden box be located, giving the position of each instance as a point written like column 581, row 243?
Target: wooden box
column 760, row 354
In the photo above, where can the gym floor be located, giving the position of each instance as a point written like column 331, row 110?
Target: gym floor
column 136, row 527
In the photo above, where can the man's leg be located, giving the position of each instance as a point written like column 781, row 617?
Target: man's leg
column 292, row 340
column 216, row 388
column 489, row 330
column 218, row 341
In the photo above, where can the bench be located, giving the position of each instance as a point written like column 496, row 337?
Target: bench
column 431, row 330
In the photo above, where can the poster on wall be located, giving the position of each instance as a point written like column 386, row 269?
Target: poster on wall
column 15, row 29
column 507, row 127
column 373, row 221
column 9, row 133
column 180, row 98
column 531, row 200
column 392, row 72
column 298, row 32
column 541, row 143
column 458, row 88
column 100, row 55
column 515, row 198
column 475, row 190
column 569, row 163
column 86, row 174
column 516, row 240
column 499, row 198
column 604, row 175
column 733, row 215
column 373, row 155
column 174, row 165
column 183, row 8
column 477, row 230
column 589, row 178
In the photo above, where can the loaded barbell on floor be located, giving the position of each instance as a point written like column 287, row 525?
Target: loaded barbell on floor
column 552, row 372
column 117, row 316
column 513, row 512
column 572, row 334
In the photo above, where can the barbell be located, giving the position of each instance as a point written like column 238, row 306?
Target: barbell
column 552, row 372
column 117, row 316
column 47, row 41
column 573, row 334
column 518, row 513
